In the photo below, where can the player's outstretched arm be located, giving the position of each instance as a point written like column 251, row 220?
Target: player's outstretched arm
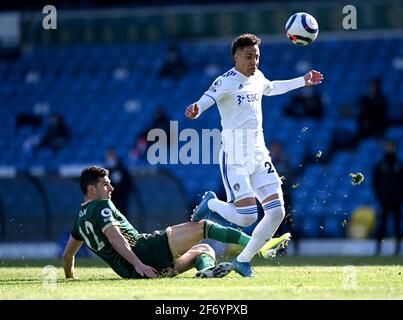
column 69, row 253
column 313, row 78
column 192, row 111
column 120, row 244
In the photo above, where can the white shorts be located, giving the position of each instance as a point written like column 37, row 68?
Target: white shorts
column 243, row 176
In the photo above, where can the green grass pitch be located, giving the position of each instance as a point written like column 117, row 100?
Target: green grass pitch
column 285, row 277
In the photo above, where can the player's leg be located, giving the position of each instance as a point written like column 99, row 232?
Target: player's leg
column 239, row 191
column 183, row 237
column 224, row 234
column 259, row 238
column 267, row 188
column 200, row 256
column 182, row 241
column 272, row 202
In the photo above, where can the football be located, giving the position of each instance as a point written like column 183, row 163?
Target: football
column 302, row 28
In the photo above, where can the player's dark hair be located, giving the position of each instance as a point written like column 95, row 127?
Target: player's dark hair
column 244, row 40
column 90, row 176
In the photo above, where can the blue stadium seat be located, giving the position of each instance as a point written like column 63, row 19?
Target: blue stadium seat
column 310, row 227
column 332, row 227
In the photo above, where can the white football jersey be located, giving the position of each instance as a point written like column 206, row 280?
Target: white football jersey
column 239, row 101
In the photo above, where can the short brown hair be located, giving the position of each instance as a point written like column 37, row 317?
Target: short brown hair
column 90, row 176
column 244, row 40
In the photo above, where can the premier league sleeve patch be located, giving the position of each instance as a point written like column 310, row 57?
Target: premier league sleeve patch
column 106, row 214
column 217, row 83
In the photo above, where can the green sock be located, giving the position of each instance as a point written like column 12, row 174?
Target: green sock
column 218, row 232
column 204, row 260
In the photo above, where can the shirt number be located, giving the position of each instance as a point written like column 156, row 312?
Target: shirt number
column 89, row 228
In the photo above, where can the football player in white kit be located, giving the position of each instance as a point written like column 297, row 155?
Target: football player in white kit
column 246, row 168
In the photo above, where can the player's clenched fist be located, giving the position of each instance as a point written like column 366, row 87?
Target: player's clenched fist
column 192, row 111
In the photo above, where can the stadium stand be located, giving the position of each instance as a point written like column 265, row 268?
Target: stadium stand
column 107, row 96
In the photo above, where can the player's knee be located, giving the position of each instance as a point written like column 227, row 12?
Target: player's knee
column 280, row 213
column 277, row 213
column 205, row 248
column 246, row 220
column 246, row 215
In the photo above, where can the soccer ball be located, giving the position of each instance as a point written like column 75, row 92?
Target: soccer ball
column 301, row 28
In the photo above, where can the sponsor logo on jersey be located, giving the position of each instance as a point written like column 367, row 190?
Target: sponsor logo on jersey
column 106, row 212
column 212, row 89
column 236, row 187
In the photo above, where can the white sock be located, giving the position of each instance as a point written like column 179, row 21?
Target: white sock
column 241, row 216
column 273, row 215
